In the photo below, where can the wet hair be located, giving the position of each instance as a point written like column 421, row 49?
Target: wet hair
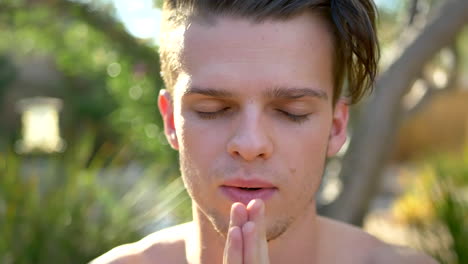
column 352, row 23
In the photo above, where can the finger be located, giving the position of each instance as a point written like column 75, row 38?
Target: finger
column 238, row 215
column 255, row 249
column 256, row 214
column 250, row 244
column 233, row 249
column 254, row 234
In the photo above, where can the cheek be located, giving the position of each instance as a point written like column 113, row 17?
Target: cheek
column 305, row 153
column 200, row 146
column 304, row 143
column 200, row 139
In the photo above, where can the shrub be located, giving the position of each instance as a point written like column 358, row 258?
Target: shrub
column 70, row 209
column 436, row 206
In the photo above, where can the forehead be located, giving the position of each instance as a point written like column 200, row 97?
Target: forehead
column 247, row 57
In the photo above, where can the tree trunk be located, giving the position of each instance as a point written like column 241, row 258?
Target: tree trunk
column 375, row 133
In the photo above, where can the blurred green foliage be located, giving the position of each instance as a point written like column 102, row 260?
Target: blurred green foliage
column 7, row 74
column 70, row 208
column 110, row 79
column 437, row 208
column 117, row 179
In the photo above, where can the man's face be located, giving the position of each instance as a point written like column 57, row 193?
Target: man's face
column 252, row 106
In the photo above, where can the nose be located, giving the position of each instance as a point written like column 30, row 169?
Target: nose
column 250, row 140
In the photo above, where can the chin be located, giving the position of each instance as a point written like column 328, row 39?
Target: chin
column 278, row 228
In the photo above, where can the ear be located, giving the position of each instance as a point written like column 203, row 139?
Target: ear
column 339, row 127
column 167, row 112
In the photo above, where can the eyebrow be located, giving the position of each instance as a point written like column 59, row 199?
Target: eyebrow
column 208, row 92
column 276, row 92
column 295, row 93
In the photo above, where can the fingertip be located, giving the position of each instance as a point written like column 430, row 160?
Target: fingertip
column 255, row 203
column 237, row 206
column 235, row 238
column 256, row 209
column 238, row 214
column 248, row 228
column 235, row 233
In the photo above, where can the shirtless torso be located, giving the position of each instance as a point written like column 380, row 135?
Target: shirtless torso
column 355, row 247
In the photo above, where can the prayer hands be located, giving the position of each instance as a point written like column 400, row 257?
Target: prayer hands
column 246, row 240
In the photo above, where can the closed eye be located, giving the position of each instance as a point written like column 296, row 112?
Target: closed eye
column 212, row 115
column 293, row 117
column 219, row 113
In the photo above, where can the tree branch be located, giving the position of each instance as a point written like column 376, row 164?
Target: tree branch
column 432, row 88
column 381, row 115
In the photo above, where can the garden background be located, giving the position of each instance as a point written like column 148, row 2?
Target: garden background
column 84, row 164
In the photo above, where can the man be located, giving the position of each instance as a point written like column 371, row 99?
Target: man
column 254, row 105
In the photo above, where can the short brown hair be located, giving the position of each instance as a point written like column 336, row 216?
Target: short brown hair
column 356, row 49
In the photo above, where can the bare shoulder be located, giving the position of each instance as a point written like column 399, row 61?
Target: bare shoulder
column 343, row 243
column 357, row 246
column 164, row 246
column 387, row 254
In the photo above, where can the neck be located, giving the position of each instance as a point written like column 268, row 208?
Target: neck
column 297, row 245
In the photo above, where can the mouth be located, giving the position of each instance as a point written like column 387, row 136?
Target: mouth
column 249, row 189
column 246, row 194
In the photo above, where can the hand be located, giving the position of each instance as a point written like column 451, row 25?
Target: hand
column 246, row 240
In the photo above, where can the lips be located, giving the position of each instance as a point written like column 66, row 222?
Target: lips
column 240, row 190
column 248, row 183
